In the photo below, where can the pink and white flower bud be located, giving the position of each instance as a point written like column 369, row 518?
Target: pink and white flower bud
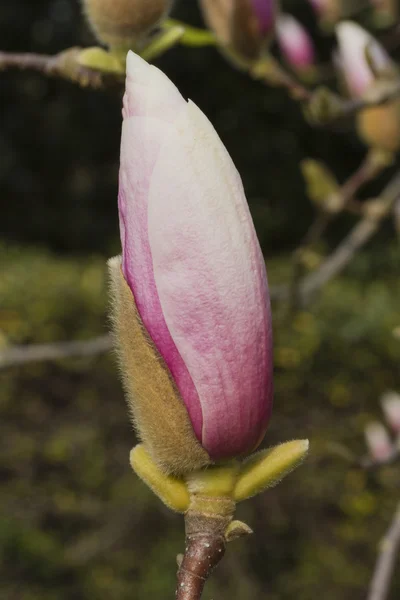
column 391, row 408
column 366, row 65
column 354, row 44
column 295, row 43
column 379, row 444
column 192, row 261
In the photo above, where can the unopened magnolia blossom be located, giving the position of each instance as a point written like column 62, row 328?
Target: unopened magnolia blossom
column 378, row 126
column 378, row 442
column 354, row 44
column 329, row 11
column 193, row 269
column 295, row 43
column 391, row 407
column 245, row 26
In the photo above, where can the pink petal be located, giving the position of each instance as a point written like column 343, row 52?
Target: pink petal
column 295, row 42
column 211, row 281
column 156, row 100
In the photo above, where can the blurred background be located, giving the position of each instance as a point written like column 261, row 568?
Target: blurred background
column 75, row 522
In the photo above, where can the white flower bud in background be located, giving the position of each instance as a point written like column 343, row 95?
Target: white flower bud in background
column 378, row 442
column 391, row 409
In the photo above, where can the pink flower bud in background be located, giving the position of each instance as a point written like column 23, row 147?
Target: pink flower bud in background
column 354, row 44
column 192, row 261
column 295, row 43
column 245, row 26
column 391, row 408
column 378, row 442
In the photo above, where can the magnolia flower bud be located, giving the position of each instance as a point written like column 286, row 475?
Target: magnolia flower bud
column 362, row 58
column 378, row 442
column 120, row 22
column 295, row 43
column 391, row 408
column 329, row 11
column 191, row 314
column 386, row 11
column 245, row 26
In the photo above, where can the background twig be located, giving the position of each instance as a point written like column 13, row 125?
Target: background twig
column 389, row 545
column 357, row 238
column 19, row 355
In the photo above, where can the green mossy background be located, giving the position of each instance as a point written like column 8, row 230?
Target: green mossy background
column 74, row 521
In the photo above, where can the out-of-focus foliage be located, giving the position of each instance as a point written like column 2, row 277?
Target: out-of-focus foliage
column 74, row 521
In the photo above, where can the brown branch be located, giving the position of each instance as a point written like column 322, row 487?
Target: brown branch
column 64, row 65
column 384, row 567
column 204, row 549
column 20, row 355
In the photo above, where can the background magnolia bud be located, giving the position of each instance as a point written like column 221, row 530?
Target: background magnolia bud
column 391, row 408
column 329, row 11
column 295, row 43
column 366, row 65
column 119, row 22
column 379, row 126
column 245, row 26
column 378, row 442
column 386, row 11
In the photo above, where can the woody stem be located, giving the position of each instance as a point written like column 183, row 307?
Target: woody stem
column 204, row 548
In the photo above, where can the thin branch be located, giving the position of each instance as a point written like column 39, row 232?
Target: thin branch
column 384, row 567
column 21, row 355
column 64, row 65
column 373, row 213
column 376, row 97
column 368, row 169
column 270, row 72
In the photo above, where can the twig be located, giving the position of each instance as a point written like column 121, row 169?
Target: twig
column 377, row 96
column 322, row 106
column 373, row 215
column 20, row 355
column 368, row 169
column 269, row 71
column 64, row 65
column 384, row 567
